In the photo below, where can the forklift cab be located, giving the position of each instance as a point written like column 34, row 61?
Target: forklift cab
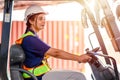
column 17, row 55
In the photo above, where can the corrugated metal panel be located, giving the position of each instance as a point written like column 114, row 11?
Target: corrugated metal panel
column 65, row 35
column 18, row 28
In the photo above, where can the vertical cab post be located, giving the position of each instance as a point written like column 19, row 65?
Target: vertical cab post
column 4, row 52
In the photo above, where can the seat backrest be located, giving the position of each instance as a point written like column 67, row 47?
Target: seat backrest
column 17, row 57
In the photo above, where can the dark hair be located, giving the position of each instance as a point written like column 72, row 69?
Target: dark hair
column 28, row 23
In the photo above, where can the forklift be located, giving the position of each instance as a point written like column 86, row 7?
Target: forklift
column 12, row 56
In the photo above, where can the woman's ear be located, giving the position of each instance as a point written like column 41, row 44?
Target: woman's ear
column 31, row 21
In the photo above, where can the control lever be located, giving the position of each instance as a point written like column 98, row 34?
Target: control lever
column 94, row 59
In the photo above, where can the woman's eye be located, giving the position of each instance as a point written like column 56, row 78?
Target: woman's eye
column 41, row 18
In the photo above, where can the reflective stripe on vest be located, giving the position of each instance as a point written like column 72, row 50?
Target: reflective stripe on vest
column 39, row 70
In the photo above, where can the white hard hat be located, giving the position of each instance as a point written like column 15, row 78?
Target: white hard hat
column 34, row 9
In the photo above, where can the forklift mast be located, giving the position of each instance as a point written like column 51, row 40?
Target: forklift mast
column 96, row 30
column 113, row 28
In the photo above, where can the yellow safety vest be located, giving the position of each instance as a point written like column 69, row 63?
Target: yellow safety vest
column 39, row 70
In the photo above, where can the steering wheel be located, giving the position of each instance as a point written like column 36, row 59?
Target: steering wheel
column 22, row 70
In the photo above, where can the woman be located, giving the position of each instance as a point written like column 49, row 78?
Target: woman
column 36, row 50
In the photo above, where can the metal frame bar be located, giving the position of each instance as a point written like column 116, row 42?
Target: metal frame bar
column 6, row 27
column 111, row 20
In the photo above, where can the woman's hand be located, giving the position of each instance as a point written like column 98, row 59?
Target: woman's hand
column 84, row 58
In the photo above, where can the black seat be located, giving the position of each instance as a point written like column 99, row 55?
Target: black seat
column 17, row 57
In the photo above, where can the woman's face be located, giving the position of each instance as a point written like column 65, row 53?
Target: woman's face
column 38, row 23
